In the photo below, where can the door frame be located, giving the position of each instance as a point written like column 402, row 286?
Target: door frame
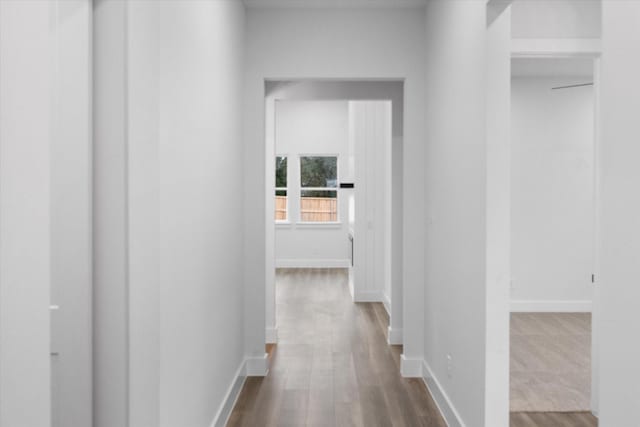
column 580, row 49
column 395, row 334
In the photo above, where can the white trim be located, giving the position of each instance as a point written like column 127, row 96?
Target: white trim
column 551, row 306
column 368, row 296
column 230, row 398
column 312, row 263
column 352, row 290
column 271, row 335
column 338, row 4
column 410, row 368
column 394, row 336
column 554, row 48
column 386, row 301
column 444, row 404
column 318, row 224
column 257, row 366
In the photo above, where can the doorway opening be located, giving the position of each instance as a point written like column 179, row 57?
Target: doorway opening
column 553, row 239
column 334, row 189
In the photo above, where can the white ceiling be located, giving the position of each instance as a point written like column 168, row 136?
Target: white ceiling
column 551, row 67
column 334, row 3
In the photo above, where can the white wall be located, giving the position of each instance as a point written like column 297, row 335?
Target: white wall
column 311, row 128
column 200, row 152
column 334, row 44
column 619, row 238
column 556, row 19
column 143, row 72
column 25, row 155
column 169, row 330
column 498, row 231
column 71, row 176
column 109, row 221
column 455, row 191
column 552, row 194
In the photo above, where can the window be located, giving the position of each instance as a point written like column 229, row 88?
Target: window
column 318, row 189
column 281, row 189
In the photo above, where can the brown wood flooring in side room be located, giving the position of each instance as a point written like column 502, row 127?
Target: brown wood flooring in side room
column 333, row 367
column 553, row 419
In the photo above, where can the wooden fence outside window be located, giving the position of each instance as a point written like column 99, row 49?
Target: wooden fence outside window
column 312, row 209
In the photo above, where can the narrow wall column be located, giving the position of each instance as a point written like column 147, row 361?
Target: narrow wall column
column 455, row 191
column 25, row 120
column 619, row 206
column 71, row 221
column 111, row 399
column 498, row 245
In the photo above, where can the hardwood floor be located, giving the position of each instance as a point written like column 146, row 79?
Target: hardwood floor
column 332, row 365
column 553, row 419
column 551, row 370
column 550, row 362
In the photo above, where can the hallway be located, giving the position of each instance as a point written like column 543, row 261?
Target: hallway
column 332, row 365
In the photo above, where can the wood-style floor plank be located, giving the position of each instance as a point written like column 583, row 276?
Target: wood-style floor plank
column 553, row 419
column 550, row 362
column 332, row 365
column 551, row 370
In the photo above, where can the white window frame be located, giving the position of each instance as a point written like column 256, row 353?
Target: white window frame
column 288, row 191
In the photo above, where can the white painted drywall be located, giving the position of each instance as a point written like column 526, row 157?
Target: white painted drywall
column 311, row 128
column 556, row 19
column 334, row 44
column 25, row 150
column 498, row 243
column 143, row 72
column 455, row 190
column 71, row 221
column 619, row 245
column 110, row 385
column 169, row 238
column 201, row 238
column 552, row 192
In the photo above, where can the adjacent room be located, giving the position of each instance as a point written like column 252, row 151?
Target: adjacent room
column 552, row 235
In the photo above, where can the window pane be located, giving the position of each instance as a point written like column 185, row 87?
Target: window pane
column 318, row 206
column 319, row 172
column 281, row 205
column 281, row 171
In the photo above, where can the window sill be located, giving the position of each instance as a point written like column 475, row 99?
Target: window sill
column 323, row 225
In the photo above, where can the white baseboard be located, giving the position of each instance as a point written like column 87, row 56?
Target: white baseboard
column 368, row 296
column 551, row 306
column 230, row 398
column 258, row 366
column 271, row 335
column 448, row 411
column 312, row 263
column 394, row 336
column 410, row 368
column 387, row 304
